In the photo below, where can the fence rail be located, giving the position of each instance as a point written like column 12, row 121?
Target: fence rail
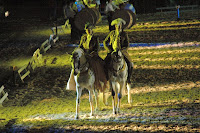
column 174, row 8
column 5, row 95
column 181, row 11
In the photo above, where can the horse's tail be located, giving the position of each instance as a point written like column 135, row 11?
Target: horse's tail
column 71, row 84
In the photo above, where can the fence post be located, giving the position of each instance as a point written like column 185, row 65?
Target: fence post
column 24, row 71
column 35, row 60
column 5, row 95
column 45, row 46
column 178, row 12
column 14, row 68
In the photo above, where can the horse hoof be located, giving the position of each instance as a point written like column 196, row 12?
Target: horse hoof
column 106, row 104
column 77, row 117
column 114, row 112
column 97, row 109
column 91, row 115
column 118, row 111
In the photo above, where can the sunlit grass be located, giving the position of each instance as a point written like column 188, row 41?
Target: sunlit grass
column 156, row 26
column 51, row 60
column 19, row 62
column 37, row 32
column 42, row 32
column 67, row 104
column 162, row 79
column 38, row 113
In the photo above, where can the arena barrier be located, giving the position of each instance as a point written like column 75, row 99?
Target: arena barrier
column 23, row 72
column 3, row 95
column 61, row 28
column 45, row 46
column 150, row 44
column 35, row 60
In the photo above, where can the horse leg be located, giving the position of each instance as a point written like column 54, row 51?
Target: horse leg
column 121, row 87
column 105, row 98
column 113, row 98
column 71, row 84
column 96, row 99
column 78, row 91
column 129, row 93
column 91, row 103
column 117, row 85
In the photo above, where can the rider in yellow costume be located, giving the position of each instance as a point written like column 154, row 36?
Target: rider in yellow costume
column 118, row 39
column 90, row 44
column 89, row 4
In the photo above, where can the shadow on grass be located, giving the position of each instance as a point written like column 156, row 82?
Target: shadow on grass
column 85, row 126
column 165, row 76
column 51, row 82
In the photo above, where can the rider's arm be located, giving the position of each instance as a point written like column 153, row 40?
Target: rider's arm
column 105, row 42
column 96, row 44
column 81, row 42
column 126, row 41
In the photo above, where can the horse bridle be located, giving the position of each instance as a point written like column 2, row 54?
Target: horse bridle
column 83, row 68
column 121, row 68
column 86, row 66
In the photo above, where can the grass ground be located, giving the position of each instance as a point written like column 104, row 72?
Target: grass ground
column 165, row 82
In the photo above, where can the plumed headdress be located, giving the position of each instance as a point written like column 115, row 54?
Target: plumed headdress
column 118, row 21
column 88, row 26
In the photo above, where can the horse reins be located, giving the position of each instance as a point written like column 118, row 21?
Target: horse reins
column 121, row 69
column 84, row 66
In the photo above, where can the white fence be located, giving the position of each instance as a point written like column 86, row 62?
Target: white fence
column 36, row 58
column 173, row 9
column 33, row 63
column 61, row 28
column 181, row 11
column 3, row 95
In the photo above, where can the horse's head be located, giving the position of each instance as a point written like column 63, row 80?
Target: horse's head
column 117, row 56
column 117, row 60
column 78, row 58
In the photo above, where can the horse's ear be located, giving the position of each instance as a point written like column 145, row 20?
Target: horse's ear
column 119, row 53
column 71, row 58
column 68, row 53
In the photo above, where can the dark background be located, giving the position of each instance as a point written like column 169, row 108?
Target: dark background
column 41, row 8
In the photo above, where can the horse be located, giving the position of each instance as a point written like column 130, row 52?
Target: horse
column 118, row 73
column 84, row 77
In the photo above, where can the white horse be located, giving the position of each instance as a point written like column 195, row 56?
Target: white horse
column 84, row 77
column 118, row 73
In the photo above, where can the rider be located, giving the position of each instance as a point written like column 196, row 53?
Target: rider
column 109, row 10
column 118, row 39
column 90, row 44
column 89, row 3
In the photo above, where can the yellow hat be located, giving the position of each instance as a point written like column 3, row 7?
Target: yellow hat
column 118, row 21
column 118, row 2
